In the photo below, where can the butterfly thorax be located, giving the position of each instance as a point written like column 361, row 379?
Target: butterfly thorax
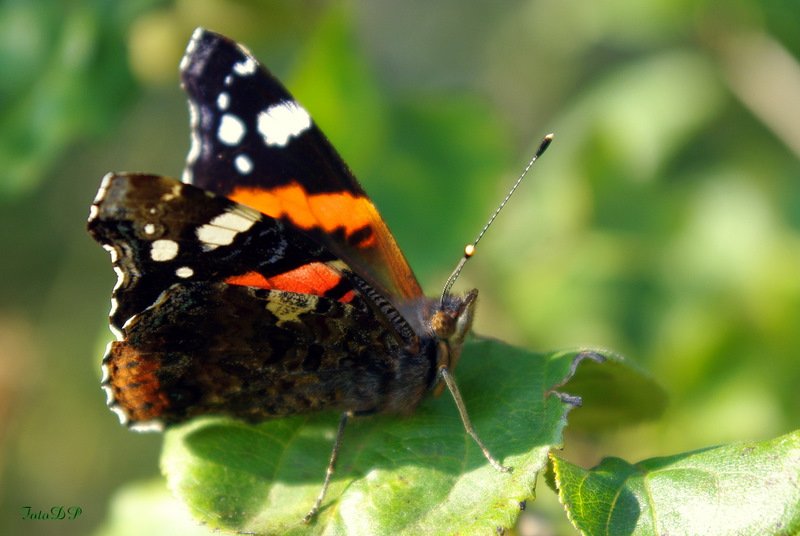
column 442, row 326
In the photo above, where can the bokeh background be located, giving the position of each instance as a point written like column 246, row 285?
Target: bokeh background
column 663, row 222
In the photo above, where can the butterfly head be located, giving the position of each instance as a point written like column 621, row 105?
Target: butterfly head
column 453, row 319
column 451, row 323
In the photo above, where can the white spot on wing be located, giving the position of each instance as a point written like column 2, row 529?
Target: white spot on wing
column 173, row 193
column 116, row 332
column 149, row 426
column 228, row 80
column 184, row 272
column 116, row 408
column 134, row 317
column 222, row 230
column 238, row 219
column 198, row 33
column 223, row 100
column 104, row 184
column 245, row 67
column 282, row 121
column 120, row 278
column 104, row 368
column 243, row 164
column 149, row 228
column 231, row 130
column 93, row 212
column 163, row 250
column 112, row 251
column 197, row 144
column 110, row 399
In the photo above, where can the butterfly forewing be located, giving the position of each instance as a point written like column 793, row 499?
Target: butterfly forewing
column 160, row 232
column 252, row 142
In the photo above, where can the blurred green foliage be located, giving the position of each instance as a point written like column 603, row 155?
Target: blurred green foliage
column 662, row 223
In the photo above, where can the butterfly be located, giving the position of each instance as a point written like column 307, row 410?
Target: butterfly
column 265, row 283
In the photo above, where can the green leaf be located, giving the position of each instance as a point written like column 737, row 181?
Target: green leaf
column 742, row 488
column 417, row 475
column 614, row 393
column 147, row 508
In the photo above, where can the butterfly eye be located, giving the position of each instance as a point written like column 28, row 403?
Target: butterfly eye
column 443, row 325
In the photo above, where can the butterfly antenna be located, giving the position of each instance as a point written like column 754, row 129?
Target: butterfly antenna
column 469, row 251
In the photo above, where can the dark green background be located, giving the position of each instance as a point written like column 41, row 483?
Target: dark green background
column 662, row 223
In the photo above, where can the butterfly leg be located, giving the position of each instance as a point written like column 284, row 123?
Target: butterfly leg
column 331, row 467
column 451, row 385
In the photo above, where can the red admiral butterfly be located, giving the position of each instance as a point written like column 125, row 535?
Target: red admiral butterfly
column 265, row 284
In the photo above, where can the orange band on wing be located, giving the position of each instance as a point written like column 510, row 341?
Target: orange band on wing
column 366, row 242
column 329, row 211
column 135, row 385
column 314, row 278
column 250, row 279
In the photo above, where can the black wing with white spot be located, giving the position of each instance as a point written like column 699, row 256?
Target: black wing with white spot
column 247, row 130
column 253, row 143
column 161, row 231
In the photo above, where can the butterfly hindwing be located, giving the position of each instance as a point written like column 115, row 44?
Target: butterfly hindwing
column 253, row 143
column 247, row 352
